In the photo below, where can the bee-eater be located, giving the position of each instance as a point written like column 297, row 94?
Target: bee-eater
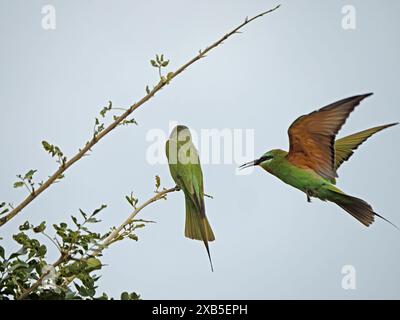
column 184, row 165
column 314, row 156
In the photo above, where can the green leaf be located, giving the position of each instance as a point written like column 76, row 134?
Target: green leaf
column 165, row 63
column 2, row 252
column 135, row 296
column 75, row 220
column 125, row 296
column 19, row 265
column 25, row 226
column 42, row 250
column 104, row 296
column 40, row 228
column 158, row 182
column 130, row 121
column 99, row 209
column 18, row 184
column 47, row 146
column 92, row 220
column 129, row 200
column 133, row 236
column 170, row 75
column 29, row 174
column 129, row 296
column 82, row 290
column 93, row 264
column 20, row 252
column 154, row 64
column 84, row 215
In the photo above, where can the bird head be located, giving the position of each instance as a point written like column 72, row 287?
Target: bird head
column 266, row 159
column 181, row 148
column 181, row 134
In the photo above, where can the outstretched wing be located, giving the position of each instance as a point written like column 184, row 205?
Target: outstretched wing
column 312, row 137
column 345, row 147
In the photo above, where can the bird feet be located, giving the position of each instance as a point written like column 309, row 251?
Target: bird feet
column 308, row 197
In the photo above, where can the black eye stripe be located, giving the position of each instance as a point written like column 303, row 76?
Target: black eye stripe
column 264, row 158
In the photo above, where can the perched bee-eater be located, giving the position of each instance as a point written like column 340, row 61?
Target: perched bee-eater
column 315, row 156
column 184, row 165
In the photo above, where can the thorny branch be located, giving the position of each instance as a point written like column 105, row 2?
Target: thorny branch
column 96, row 138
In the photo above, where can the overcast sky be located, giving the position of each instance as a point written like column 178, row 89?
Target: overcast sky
column 270, row 243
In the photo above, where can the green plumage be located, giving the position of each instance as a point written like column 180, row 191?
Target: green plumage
column 308, row 181
column 315, row 156
column 185, row 168
column 345, row 147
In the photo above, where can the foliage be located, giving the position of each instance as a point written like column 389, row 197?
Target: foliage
column 54, row 151
column 99, row 125
column 159, row 63
column 4, row 208
column 80, row 253
column 26, row 180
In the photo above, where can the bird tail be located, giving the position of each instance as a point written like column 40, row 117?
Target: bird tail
column 197, row 226
column 358, row 208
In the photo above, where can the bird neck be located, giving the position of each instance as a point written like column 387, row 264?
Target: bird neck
column 275, row 165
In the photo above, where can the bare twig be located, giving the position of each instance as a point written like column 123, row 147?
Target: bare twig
column 82, row 152
column 113, row 236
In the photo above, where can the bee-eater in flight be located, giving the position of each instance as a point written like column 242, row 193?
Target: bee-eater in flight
column 184, row 165
column 315, row 156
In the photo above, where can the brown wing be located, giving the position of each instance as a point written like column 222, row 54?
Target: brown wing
column 312, row 137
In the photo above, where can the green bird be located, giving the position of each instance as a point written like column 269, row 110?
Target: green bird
column 184, row 165
column 315, row 156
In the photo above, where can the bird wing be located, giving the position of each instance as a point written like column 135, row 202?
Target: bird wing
column 312, row 137
column 192, row 178
column 187, row 176
column 171, row 146
column 195, row 179
column 345, row 147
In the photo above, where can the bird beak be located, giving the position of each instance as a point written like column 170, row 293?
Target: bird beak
column 249, row 164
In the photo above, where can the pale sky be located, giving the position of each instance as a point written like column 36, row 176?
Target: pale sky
column 270, row 243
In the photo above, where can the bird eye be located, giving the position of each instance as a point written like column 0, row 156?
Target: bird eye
column 265, row 158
